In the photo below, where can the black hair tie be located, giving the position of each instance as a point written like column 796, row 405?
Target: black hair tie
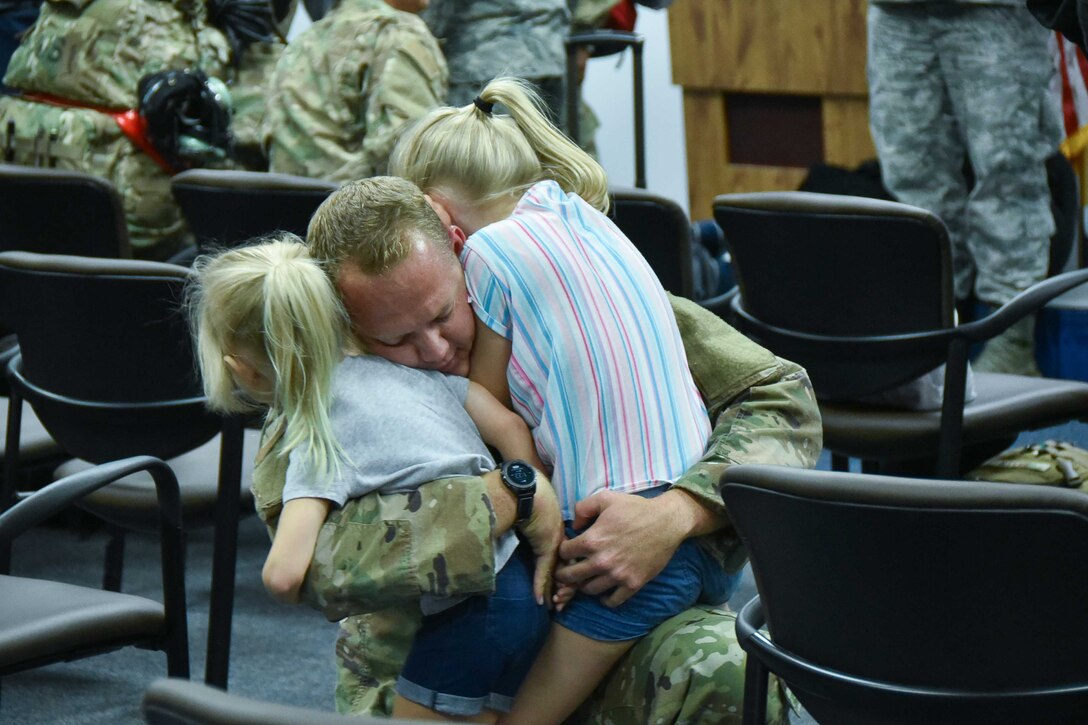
column 486, row 106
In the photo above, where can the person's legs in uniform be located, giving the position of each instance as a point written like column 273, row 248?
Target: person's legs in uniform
column 917, row 138
column 370, row 652
column 690, row 669
column 998, row 71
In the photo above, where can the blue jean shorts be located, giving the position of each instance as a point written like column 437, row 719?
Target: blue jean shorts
column 474, row 655
column 691, row 576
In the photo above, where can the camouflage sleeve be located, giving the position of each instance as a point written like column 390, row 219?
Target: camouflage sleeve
column 386, row 550
column 763, row 409
column 383, row 551
column 413, row 80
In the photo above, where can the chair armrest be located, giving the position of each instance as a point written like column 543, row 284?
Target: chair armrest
column 47, row 501
column 1030, row 300
column 722, row 305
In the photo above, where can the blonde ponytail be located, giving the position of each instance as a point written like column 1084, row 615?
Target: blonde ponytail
column 486, row 156
column 272, row 298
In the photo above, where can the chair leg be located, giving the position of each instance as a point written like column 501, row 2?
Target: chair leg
column 115, row 560
column 216, row 667
column 755, row 692
column 840, row 462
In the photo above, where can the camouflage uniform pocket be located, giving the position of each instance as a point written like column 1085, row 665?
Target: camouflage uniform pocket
column 361, row 567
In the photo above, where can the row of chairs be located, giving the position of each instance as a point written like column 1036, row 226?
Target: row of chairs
column 225, row 208
column 105, row 361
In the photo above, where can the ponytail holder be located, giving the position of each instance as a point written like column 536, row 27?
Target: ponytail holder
column 486, row 106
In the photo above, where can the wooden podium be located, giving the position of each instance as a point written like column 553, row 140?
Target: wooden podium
column 770, row 87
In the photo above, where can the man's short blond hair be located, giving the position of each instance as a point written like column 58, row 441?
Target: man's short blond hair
column 374, row 223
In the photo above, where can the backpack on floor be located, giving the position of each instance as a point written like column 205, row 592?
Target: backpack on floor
column 1053, row 463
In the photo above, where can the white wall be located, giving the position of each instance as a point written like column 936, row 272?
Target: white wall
column 608, row 89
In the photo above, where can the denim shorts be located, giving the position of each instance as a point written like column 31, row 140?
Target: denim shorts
column 691, row 576
column 475, row 654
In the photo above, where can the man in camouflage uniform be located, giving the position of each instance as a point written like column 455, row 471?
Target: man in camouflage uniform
column 963, row 79
column 484, row 39
column 376, row 556
column 85, row 58
column 347, row 85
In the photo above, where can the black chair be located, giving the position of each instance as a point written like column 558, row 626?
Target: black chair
column 42, row 621
column 859, row 292
column 57, row 211
column 181, row 702
column 226, row 208
column 894, row 600
column 661, row 231
column 106, row 362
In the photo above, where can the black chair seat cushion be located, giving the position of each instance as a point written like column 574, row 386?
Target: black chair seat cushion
column 1006, row 405
column 40, row 619
column 130, row 502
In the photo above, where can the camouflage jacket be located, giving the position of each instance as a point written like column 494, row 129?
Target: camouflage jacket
column 382, row 551
column 483, row 39
column 94, row 52
column 346, row 86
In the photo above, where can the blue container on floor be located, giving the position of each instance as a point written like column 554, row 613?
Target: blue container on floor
column 1061, row 336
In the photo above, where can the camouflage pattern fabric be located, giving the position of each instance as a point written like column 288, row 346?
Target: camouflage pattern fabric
column 588, row 14
column 249, row 91
column 345, row 88
column 94, row 52
column 951, row 80
column 369, row 559
column 483, row 39
column 365, row 683
column 685, row 671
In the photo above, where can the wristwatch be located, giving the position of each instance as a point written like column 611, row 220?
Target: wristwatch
column 520, row 478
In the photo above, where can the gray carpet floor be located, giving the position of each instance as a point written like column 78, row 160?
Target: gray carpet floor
column 279, row 653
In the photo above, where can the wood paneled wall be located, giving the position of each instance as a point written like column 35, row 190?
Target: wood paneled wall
column 725, row 49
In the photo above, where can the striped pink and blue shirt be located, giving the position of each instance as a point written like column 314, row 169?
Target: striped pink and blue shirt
column 597, row 366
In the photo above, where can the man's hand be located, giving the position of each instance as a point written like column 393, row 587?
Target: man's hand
column 544, row 530
column 629, row 541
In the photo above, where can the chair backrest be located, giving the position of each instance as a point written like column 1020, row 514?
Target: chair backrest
column 56, row 211
column 661, row 231
column 840, row 266
column 106, row 359
column 226, row 208
column 182, row 702
column 966, row 586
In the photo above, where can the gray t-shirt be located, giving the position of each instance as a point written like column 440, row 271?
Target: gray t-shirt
column 400, row 427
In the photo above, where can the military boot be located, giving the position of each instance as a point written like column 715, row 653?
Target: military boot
column 1013, row 351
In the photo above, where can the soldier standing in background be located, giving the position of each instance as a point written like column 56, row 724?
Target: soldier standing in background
column 485, row 39
column 346, row 86
column 970, row 79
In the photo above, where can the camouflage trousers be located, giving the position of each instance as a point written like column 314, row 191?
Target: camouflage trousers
column 690, row 669
column 951, row 82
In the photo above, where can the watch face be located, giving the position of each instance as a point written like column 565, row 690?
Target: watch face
column 519, row 474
